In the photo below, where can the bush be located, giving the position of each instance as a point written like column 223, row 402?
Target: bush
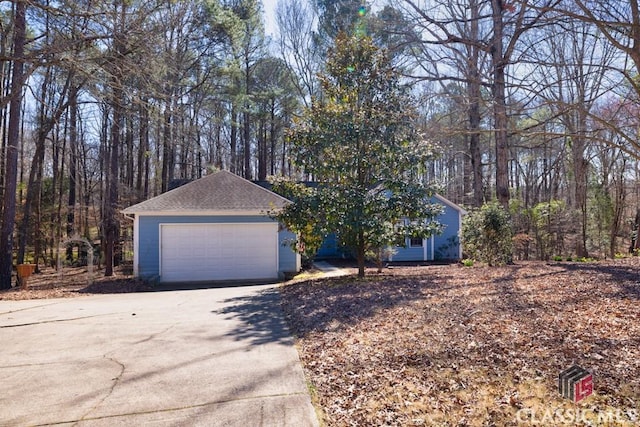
column 487, row 235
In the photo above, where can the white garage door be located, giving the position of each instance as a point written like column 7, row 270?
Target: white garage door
column 201, row 252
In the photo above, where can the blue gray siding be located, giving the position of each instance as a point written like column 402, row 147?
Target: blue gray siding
column 413, row 253
column 329, row 247
column 439, row 247
column 447, row 245
column 288, row 259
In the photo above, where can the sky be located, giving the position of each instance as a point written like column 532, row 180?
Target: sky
column 270, row 16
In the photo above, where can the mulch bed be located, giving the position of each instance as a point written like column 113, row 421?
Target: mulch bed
column 471, row 346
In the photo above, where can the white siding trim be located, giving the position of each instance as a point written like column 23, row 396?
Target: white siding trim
column 204, row 213
column 450, row 203
column 460, row 237
column 136, row 245
column 433, row 243
column 278, row 251
column 424, row 250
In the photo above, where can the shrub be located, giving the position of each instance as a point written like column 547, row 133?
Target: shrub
column 487, row 235
column 467, row 262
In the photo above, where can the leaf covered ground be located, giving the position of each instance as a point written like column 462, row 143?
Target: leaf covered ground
column 457, row 346
column 72, row 282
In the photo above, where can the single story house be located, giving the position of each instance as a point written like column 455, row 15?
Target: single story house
column 216, row 228
column 444, row 246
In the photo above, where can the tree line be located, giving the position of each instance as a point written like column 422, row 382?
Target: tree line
column 533, row 103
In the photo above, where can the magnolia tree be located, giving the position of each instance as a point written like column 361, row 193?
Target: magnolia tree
column 360, row 143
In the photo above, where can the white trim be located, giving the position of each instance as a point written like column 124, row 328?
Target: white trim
column 424, row 250
column 433, row 242
column 460, row 237
column 202, row 213
column 136, row 245
column 450, row 203
column 278, row 250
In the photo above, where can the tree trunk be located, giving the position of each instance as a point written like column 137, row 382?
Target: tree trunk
column 33, row 186
column 117, row 92
column 234, row 139
column 246, row 136
column 361, row 254
column 58, row 185
column 142, row 177
column 11, row 161
column 635, row 239
column 73, row 168
column 475, row 96
column 167, row 151
column 500, row 105
column 111, row 224
column 618, row 211
column 580, row 176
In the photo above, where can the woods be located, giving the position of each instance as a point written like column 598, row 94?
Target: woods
column 533, row 103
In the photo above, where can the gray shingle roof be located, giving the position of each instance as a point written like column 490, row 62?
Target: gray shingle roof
column 220, row 191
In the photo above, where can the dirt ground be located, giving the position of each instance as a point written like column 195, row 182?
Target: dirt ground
column 74, row 282
column 471, row 346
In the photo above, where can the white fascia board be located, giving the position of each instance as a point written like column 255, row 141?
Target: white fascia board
column 450, row 203
column 204, row 213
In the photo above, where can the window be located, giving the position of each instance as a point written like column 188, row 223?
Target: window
column 415, row 242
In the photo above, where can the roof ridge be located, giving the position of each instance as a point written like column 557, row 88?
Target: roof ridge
column 255, row 185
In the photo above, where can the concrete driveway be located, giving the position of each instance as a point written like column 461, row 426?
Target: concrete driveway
column 210, row 357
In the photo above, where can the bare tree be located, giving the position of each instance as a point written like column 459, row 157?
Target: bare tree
column 298, row 46
column 450, row 41
column 13, row 140
column 574, row 78
column 462, row 30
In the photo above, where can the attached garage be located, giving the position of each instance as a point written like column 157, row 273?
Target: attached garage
column 216, row 228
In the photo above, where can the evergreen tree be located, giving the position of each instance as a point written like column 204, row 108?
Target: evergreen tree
column 360, row 142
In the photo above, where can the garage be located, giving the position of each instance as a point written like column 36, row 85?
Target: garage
column 200, row 252
column 214, row 229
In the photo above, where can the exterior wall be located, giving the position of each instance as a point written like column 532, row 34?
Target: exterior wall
column 329, row 248
column 407, row 253
column 289, row 261
column 445, row 246
column 148, row 240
